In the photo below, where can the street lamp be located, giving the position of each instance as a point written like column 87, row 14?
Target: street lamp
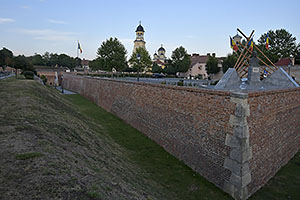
column 62, row 85
column 138, row 56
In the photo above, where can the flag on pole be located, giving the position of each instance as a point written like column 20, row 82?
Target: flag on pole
column 233, row 44
column 79, row 47
column 267, row 41
column 250, row 44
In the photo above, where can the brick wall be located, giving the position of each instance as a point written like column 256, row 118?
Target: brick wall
column 237, row 141
column 274, row 125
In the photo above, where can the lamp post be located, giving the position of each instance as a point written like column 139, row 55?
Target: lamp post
column 138, row 56
column 62, row 85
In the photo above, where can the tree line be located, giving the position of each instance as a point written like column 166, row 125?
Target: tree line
column 113, row 55
column 27, row 63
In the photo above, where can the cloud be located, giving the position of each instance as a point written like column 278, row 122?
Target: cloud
column 53, row 21
column 50, row 35
column 6, row 20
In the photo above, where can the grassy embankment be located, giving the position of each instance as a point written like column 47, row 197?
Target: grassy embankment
column 55, row 146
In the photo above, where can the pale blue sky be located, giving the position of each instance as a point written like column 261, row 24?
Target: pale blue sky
column 36, row 26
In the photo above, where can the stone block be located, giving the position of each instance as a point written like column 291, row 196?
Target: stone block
column 279, row 79
column 241, row 155
column 229, row 81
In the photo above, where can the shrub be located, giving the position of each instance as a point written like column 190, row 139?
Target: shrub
column 44, row 79
column 28, row 74
column 180, row 83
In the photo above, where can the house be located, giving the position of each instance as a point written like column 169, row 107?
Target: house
column 50, row 73
column 198, row 66
column 85, row 64
column 285, row 62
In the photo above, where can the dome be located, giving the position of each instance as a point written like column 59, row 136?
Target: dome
column 140, row 28
column 161, row 49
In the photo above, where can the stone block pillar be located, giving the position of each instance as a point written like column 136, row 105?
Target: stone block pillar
column 241, row 152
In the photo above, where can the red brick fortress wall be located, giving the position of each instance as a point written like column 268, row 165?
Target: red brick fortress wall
column 274, row 125
column 191, row 124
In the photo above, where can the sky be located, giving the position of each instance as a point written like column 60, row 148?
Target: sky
column 36, row 26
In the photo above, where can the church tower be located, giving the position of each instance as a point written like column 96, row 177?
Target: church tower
column 139, row 40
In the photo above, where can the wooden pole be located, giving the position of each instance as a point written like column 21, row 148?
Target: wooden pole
column 241, row 60
column 261, row 61
column 265, row 56
column 244, row 46
column 245, row 61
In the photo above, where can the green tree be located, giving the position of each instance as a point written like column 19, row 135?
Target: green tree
column 6, row 58
column 229, row 62
column 23, row 63
column 112, row 54
column 281, row 44
column 95, row 64
column 143, row 63
column 212, row 65
column 66, row 61
column 156, row 68
column 46, row 58
column 297, row 57
column 181, row 60
column 37, row 59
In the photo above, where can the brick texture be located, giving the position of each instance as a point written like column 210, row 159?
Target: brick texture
column 274, row 123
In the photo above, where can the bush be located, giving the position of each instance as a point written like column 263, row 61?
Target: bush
column 28, row 74
column 180, row 83
column 44, row 79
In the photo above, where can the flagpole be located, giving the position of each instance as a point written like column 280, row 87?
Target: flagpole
column 77, row 48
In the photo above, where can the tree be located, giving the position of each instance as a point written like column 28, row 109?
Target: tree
column 180, row 60
column 156, row 68
column 143, row 63
column 46, row 58
column 281, row 44
column 112, row 54
column 37, row 59
column 229, row 62
column 212, row 65
column 23, row 63
column 297, row 57
column 6, row 58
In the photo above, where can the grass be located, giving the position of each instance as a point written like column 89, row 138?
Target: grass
column 29, row 155
column 159, row 165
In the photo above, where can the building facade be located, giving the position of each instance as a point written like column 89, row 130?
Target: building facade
column 160, row 57
column 139, row 40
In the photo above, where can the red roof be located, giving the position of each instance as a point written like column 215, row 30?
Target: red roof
column 284, row 62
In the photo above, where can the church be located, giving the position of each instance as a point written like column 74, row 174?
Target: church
column 139, row 40
column 160, row 57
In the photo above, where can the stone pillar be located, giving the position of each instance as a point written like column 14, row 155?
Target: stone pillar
column 241, row 152
column 253, row 71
